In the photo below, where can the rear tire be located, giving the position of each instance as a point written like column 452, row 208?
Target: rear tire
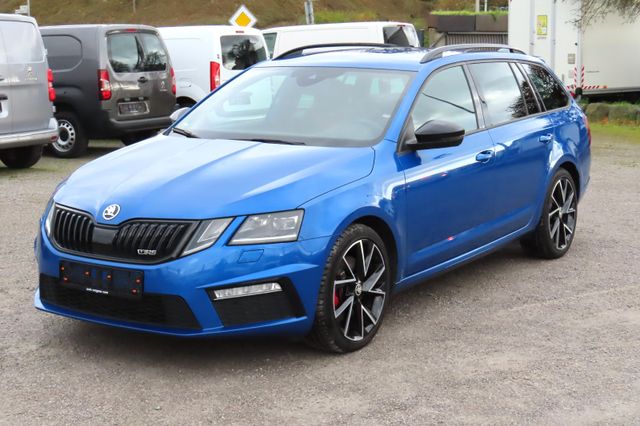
column 21, row 158
column 555, row 232
column 354, row 293
column 72, row 141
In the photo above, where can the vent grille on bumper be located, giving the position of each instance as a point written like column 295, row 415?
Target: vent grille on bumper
column 136, row 241
column 258, row 308
column 160, row 310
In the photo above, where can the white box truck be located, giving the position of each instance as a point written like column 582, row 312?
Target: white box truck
column 603, row 58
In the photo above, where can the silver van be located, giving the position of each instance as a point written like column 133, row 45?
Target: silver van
column 26, row 93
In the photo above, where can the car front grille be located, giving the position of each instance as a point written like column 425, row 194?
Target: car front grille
column 134, row 241
column 161, row 310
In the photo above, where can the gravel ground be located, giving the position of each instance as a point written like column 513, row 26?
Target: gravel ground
column 506, row 339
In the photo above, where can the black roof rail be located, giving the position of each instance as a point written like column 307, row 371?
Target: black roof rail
column 337, row 46
column 464, row 48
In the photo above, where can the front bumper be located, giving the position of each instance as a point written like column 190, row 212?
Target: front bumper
column 299, row 266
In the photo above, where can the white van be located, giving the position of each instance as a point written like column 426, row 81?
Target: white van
column 282, row 39
column 206, row 56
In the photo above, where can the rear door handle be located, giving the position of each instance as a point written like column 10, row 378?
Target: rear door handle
column 546, row 138
column 484, row 156
column 143, row 79
column 4, row 98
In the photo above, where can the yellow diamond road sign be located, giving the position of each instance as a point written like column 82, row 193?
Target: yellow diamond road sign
column 243, row 17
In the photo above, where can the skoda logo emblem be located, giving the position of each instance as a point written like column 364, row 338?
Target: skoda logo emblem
column 111, row 211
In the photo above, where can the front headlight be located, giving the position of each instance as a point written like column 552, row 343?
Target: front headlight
column 49, row 219
column 269, row 228
column 206, row 234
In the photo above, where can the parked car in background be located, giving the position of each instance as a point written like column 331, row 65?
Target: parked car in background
column 26, row 93
column 299, row 197
column 111, row 81
column 206, row 56
column 282, row 39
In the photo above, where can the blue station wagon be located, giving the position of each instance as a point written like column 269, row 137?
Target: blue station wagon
column 298, row 197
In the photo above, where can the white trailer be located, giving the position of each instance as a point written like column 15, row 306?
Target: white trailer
column 603, row 58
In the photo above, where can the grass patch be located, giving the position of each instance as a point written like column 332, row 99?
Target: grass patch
column 331, row 16
column 627, row 133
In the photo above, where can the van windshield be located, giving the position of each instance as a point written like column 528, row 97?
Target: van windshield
column 136, row 52
column 241, row 51
column 302, row 105
column 400, row 35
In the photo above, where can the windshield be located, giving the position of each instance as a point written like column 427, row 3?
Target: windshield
column 315, row 106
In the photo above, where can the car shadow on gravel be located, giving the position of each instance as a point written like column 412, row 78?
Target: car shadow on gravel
column 127, row 346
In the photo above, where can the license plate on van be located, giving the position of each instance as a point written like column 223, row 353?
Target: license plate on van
column 127, row 108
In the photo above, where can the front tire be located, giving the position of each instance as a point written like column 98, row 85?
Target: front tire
column 72, row 141
column 354, row 292
column 554, row 234
column 21, row 158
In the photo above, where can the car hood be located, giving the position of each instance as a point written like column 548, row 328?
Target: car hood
column 172, row 177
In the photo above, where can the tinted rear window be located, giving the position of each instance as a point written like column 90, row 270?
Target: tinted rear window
column 136, row 52
column 22, row 42
column 64, row 52
column 552, row 94
column 242, row 51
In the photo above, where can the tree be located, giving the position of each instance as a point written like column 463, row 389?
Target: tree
column 589, row 11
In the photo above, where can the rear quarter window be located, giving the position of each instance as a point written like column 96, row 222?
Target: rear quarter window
column 270, row 39
column 22, row 42
column 241, row 51
column 64, row 52
column 551, row 92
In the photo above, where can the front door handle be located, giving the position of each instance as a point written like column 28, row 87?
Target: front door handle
column 143, row 79
column 546, row 138
column 4, row 98
column 484, row 156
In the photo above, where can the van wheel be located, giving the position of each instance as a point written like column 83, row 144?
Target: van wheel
column 21, row 158
column 354, row 292
column 554, row 234
column 72, row 141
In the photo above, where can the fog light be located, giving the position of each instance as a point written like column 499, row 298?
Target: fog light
column 249, row 290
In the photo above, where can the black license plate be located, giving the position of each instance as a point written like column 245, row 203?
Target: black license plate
column 99, row 280
column 132, row 108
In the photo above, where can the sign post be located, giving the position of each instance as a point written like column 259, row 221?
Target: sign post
column 243, row 17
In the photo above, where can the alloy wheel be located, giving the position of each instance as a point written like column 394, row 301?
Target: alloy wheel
column 359, row 289
column 562, row 213
column 66, row 136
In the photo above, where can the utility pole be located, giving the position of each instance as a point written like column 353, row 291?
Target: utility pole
column 308, row 12
column 134, row 7
column 486, row 8
column 28, row 7
column 477, row 6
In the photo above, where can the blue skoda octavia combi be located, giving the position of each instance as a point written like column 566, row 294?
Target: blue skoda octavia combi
column 297, row 198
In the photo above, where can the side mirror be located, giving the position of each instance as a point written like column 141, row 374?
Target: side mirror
column 177, row 114
column 437, row 134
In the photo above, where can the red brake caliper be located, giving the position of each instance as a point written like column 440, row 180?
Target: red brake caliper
column 336, row 300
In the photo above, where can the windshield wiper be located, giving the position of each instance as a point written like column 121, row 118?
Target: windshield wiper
column 278, row 141
column 184, row 132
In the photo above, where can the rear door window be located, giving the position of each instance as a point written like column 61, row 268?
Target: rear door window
column 22, row 42
column 64, row 52
column 446, row 96
column 242, row 51
column 552, row 94
column 136, row 52
column 500, row 92
column 528, row 93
